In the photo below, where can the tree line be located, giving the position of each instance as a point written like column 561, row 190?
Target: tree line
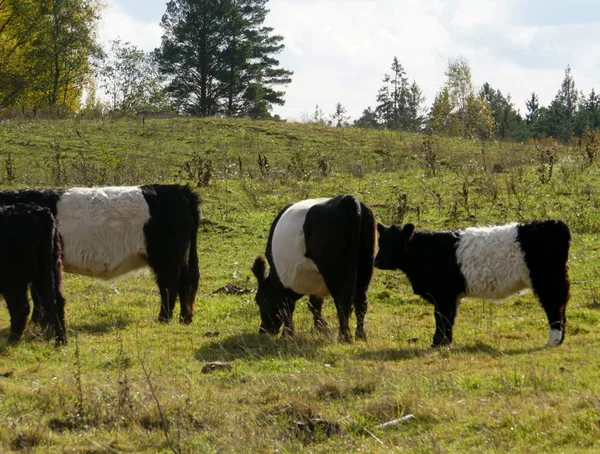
column 461, row 110
column 217, row 58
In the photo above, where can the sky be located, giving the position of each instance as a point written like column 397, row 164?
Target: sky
column 340, row 50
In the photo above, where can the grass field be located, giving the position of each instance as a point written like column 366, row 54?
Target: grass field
column 126, row 383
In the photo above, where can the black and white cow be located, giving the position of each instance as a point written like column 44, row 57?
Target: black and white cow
column 110, row 231
column 482, row 262
column 30, row 254
column 317, row 247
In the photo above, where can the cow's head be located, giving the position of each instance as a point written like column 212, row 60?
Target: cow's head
column 269, row 297
column 393, row 246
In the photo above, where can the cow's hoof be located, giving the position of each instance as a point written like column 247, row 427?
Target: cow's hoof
column 185, row 320
column 13, row 339
column 345, row 338
column 163, row 319
column 361, row 335
column 555, row 338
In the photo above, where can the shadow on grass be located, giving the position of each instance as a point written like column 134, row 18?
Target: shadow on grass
column 102, row 326
column 395, row 354
column 258, row 346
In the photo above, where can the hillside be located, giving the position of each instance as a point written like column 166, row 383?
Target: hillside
column 128, row 383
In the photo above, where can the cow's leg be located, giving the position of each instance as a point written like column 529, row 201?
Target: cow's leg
column 287, row 315
column 315, row 304
column 18, row 308
column 360, row 310
column 38, row 315
column 188, row 287
column 343, row 297
column 444, row 314
column 554, row 296
column 60, row 335
column 167, row 284
column 343, row 311
column 364, row 272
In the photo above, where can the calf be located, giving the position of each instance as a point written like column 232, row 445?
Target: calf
column 482, row 262
column 110, row 231
column 317, row 247
column 30, row 254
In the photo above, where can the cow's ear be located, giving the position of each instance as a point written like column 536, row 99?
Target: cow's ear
column 260, row 268
column 409, row 231
column 381, row 228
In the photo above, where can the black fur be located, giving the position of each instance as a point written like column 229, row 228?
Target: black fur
column 429, row 261
column 47, row 198
column 30, row 254
column 340, row 240
column 545, row 245
column 171, row 244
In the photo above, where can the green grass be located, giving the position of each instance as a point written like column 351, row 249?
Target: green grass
column 495, row 389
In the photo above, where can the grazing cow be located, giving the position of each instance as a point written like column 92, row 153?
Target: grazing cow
column 30, row 254
column 317, row 247
column 110, row 231
column 482, row 262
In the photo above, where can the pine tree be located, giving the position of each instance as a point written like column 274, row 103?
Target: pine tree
column 339, row 118
column 508, row 123
column 219, row 56
column 559, row 122
column 399, row 104
column 368, row 119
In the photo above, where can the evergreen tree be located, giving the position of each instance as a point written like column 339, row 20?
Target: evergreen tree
column 587, row 116
column 368, row 119
column 533, row 115
column 399, row 104
column 339, row 118
column 508, row 123
column 219, row 57
column 560, row 121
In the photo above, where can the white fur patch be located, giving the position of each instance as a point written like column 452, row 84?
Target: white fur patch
column 296, row 272
column 554, row 337
column 102, row 230
column 492, row 262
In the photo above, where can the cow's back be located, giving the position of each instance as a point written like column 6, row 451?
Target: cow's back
column 102, row 230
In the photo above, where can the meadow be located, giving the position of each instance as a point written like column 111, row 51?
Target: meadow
column 126, row 383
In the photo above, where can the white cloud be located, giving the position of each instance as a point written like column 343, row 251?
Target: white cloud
column 116, row 23
column 339, row 50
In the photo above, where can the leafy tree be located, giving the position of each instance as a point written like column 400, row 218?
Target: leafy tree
column 17, row 31
column 399, row 104
column 441, row 119
column 62, row 51
column 131, row 79
column 457, row 109
column 219, row 57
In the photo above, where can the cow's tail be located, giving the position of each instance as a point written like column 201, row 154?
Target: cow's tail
column 191, row 276
column 50, row 277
